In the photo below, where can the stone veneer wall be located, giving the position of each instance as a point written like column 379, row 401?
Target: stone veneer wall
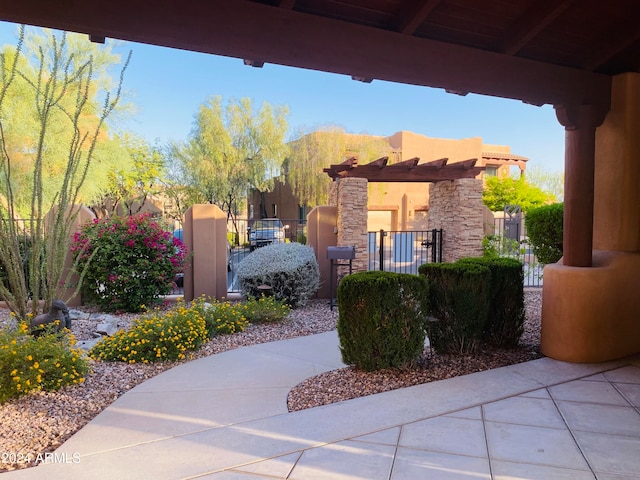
column 456, row 207
column 352, row 218
column 333, row 194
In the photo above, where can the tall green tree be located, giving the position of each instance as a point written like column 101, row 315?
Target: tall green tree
column 314, row 151
column 232, row 148
column 53, row 112
column 499, row 192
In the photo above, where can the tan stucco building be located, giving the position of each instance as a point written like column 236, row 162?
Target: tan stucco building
column 400, row 206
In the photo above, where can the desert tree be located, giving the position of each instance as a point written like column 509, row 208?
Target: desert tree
column 55, row 99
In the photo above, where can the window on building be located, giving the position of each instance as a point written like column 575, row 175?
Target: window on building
column 274, row 208
column 491, row 171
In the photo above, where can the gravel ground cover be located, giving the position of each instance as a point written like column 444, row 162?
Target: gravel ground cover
column 40, row 422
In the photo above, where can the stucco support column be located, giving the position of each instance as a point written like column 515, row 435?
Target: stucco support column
column 580, row 123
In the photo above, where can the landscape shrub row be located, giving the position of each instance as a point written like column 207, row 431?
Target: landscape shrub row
column 475, row 301
column 382, row 319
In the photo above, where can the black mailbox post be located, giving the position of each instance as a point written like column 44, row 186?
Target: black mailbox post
column 338, row 255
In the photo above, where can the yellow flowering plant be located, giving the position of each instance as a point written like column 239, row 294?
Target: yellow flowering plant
column 265, row 309
column 156, row 336
column 48, row 362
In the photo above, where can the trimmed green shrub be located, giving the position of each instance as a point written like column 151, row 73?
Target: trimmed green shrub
column 381, row 319
column 290, row 269
column 544, row 229
column 48, row 362
column 460, row 297
column 506, row 309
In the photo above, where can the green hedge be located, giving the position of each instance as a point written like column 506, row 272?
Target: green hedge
column 506, row 308
column 545, row 229
column 382, row 319
column 459, row 295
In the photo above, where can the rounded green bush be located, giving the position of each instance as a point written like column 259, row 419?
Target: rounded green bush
column 381, row 319
column 545, row 231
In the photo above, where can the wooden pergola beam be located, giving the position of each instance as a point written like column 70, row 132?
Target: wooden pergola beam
column 407, row 171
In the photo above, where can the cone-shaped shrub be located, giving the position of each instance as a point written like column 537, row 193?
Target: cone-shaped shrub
column 382, row 319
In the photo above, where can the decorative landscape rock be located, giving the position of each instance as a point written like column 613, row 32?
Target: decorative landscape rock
column 57, row 313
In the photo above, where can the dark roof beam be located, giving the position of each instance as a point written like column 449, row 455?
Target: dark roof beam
column 530, row 24
column 287, row 4
column 613, row 42
column 412, row 15
column 252, row 30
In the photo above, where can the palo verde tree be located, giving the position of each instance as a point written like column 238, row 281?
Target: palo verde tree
column 314, row 151
column 55, row 99
column 231, row 149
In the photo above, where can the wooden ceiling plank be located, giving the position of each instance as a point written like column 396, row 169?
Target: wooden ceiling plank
column 612, row 43
column 287, row 4
column 531, row 23
column 413, row 14
column 246, row 29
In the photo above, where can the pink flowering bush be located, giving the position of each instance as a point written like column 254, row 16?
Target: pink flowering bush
column 126, row 263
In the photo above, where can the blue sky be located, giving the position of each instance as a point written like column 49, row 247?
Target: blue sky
column 168, row 85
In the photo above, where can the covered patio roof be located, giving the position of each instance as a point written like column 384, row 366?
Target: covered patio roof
column 539, row 51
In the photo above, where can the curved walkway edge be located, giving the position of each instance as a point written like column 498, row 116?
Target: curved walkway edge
column 225, row 417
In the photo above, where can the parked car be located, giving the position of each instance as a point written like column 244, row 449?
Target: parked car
column 265, row 232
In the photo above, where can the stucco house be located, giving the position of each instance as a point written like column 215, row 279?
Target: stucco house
column 398, row 206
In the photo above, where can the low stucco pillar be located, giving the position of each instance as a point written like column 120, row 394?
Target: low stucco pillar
column 205, row 236
column 321, row 233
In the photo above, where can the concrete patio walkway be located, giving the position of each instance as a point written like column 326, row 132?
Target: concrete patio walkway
column 224, row 417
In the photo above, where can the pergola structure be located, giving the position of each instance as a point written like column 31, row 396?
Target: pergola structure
column 406, row 171
column 581, row 56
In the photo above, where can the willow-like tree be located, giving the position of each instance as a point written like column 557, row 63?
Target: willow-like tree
column 55, row 98
column 232, row 149
column 312, row 152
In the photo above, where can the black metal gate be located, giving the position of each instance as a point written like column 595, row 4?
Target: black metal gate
column 404, row 251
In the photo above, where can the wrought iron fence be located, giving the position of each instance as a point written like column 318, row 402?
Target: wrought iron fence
column 404, row 251
column 519, row 248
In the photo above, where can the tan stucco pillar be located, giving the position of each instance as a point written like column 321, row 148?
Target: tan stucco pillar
column 205, row 235
column 580, row 124
column 322, row 233
column 593, row 314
